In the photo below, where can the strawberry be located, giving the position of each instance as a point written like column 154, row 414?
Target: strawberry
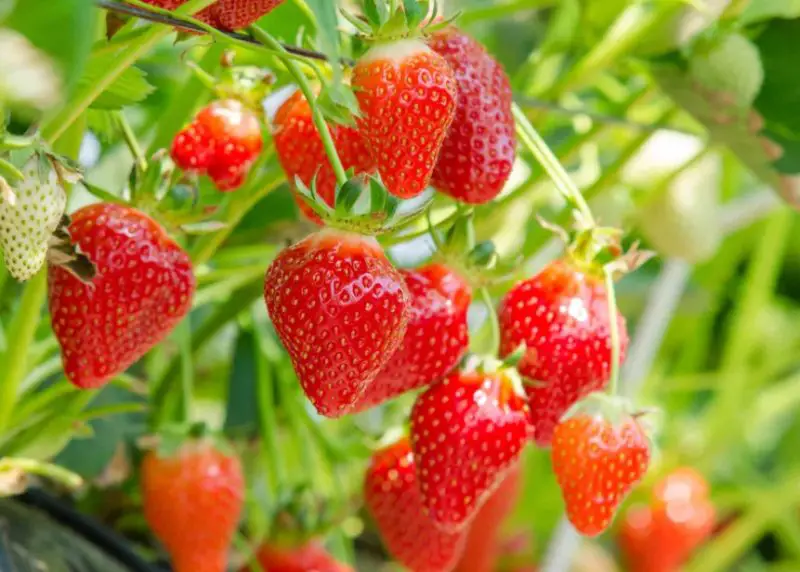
column 340, row 309
column 143, row 288
column 310, row 557
column 28, row 216
column 223, row 141
column 561, row 314
column 407, row 96
column 192, row 501
column 597, row 461
column 482, row 550
column 478, row 154
column 436, row 338
column 302, row 155
column 226, row 14
column 467, row 433
column 660, row 536
column 393, row 499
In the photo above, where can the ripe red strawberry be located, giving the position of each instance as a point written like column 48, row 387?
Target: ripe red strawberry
column 310, row 557
column 661, row 536
column 143, row 288
column 226, row 14
column 192, row 502
column 302, row 155
column 478, row 154
column 467, row 432
column 561, row 314
column 407, row 96
column 393, row 499
column 482, row 550
column 597, row 462
column 436, row 338
column 223, row 140
column 340, row 309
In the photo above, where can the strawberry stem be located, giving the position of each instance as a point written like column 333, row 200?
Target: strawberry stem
column 494, row 324
column 316, row 113
column 549, row 162
column 33, row 467
column 613, row 328
column 131, row 141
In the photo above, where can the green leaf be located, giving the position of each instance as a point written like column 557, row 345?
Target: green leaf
column 63, row 29
column 102, row 123
column 328, row 35
column 130, row 87
column 241, row 414
column 760, row 10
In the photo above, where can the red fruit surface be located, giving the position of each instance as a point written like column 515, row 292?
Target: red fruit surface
column 407, row 95
column 143, row 288
column 192, row 502
column 660, row 536
column 302, row 155
column 596, row 464
column 436, row 337
column 391, row 494
column 467, row 433
column 561, row 314
column 478, row 154
column 311, row 557
column 223, row 140
column 482, row 551
column 226, row 14
column 340, row 309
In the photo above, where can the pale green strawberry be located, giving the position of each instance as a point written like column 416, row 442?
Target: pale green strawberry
column 28, row 216
column 732, row 65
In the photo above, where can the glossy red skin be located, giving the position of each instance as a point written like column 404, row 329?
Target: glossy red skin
column 192, row 502
column 436, row 338
column 302, row 155
column 226, row 14
column 143, row 288
column 662, row 535
column 311, row 557
column 482, row 550
column 561, row 314
column 391, row 494
column 596, row 464
column 478, row 154
column 467, row 433
column 340, row 309
column 407, row 96
column 222, row 141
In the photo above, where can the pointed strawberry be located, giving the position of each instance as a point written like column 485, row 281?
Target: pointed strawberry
column 340, row 308
column 561, row 314
column 598, row 457
column 192, row 500
column 223, row 140
column 478, row 154
column 467, row 433
column 392, row 496
column 407, row 96
column 436, row 338
column 29, row 214
column 142, row 289
column 302, row 155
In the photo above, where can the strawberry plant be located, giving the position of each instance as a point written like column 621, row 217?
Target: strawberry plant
column 358, row 284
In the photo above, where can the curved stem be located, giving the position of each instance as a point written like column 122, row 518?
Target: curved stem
column 33, row 467
column 541, row 151
column 304, row 85
column 494, row 324
column 130, row 140
column 613, row 328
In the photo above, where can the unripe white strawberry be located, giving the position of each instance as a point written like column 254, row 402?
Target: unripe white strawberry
column 29, row 215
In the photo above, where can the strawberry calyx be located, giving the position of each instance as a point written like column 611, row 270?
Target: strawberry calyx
column 362, row 205
column 613, row 409
column 173, row 439
column 247, row 84
column 490, row 365
column 391, row 20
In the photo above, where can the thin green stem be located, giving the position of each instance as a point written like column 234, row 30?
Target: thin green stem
column 130, row 140
column 265, row 393
column 494, row 324
column 305, row 86
column 613, row 328
column 187, row 370
column 9, row 172
column 83, row 98
column 541, row 151
column 47, row 470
